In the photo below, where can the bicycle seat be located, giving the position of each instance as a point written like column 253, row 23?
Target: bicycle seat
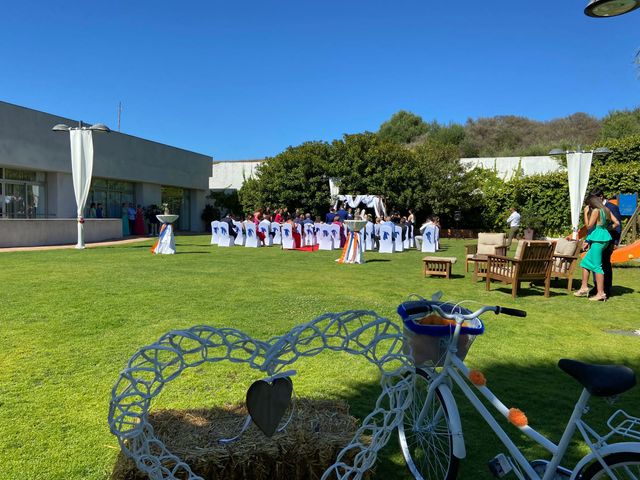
column 600, row 380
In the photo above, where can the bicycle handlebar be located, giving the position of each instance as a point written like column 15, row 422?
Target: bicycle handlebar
column 511, row 311
column 459, row 317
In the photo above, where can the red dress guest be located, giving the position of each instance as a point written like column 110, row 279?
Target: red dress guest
column 138, row 227
column 297, row 238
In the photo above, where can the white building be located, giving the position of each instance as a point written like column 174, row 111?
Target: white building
column 38, row 205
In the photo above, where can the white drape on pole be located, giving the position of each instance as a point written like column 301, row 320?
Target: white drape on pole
column 334, row 188
column 81, row 169
column 370, row 201
column 578, row 168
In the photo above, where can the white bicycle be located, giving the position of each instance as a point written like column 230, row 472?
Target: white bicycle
column 438, row 337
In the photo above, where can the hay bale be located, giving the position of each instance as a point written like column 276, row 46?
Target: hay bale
column 308, row 446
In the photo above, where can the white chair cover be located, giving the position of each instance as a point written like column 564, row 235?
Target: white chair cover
column 406, row 243
column 335, row 235
column 214, row 232
column 166, row 241
column 325, row 239
column 437, row 238
column 368, row 236
column 429, row 239
column 376, row 232
column 224, row 239
column 240, row 233
column 252, row 238
column 287, row 237
column 397, row 239
column 277, row 233
column 386, row 239
column 265, row 227
column 309, row 234
column 412, row 237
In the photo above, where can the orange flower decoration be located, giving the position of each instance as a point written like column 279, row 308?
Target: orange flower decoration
column 477, row 378
column 518, row 418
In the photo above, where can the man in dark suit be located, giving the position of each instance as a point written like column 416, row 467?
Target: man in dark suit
column 228, row 219
column 615, row 235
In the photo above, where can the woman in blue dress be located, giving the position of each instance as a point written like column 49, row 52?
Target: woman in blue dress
column 596, row 217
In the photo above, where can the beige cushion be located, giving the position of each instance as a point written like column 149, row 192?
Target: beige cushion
column 445, row 259
column 565, row 247
column 484, row 249
column 491, row 239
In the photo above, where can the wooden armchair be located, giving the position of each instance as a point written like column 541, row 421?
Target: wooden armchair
column 488, row 244
column 565, row 260
column 533, row 261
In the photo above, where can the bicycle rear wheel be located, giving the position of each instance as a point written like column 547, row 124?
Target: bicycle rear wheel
column 427, row 447
column 624, row 465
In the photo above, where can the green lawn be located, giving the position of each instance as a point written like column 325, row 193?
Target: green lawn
column 70, row 320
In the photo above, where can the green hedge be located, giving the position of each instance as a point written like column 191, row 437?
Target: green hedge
column 543, row 200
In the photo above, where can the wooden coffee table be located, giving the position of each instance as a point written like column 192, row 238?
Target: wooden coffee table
column 440, row 266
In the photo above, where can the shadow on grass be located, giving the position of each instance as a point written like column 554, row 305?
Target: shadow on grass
column 452, row 276
column 527, row 290
column 377, row 260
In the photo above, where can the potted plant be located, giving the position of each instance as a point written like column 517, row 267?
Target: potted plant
column 532, row 223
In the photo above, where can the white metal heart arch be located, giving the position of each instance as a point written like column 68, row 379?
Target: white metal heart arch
column 356, row 332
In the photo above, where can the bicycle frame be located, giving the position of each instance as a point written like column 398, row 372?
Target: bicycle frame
column 455, row 369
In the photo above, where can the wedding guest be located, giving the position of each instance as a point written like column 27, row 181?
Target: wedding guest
column 596, row 216
column 139, row 221
column 615, row 236
column 125, row 220
column 131, row 215
column 92, row 210
column 99, row 211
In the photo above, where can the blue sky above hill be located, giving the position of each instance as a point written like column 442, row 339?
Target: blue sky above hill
column 242, row 80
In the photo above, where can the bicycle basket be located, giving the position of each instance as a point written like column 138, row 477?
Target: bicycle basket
column 428, row 343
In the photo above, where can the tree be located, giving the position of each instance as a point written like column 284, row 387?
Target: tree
column 295, row 178
column 445, row 186
column 620, row 123
column 368, row 165
column 403, row 127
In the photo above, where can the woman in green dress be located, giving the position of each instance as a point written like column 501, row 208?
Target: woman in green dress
column 125, row 221
column 596, row 217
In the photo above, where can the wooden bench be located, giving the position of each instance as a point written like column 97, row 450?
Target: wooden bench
column 440, row 266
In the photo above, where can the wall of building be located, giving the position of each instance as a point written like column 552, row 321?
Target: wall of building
column 507, row 167
column 31, row 233
column 230, row 175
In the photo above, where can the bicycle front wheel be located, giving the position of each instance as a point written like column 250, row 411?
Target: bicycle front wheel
column 427, row 446
column 624, row 465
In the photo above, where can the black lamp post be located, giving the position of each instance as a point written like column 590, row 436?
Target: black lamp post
column 610, row 8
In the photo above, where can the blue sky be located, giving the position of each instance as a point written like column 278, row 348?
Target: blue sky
column 244, row 80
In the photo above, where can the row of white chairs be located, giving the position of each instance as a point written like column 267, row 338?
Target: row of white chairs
column 382, row 237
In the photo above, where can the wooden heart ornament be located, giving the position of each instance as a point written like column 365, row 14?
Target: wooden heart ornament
column 268, row 402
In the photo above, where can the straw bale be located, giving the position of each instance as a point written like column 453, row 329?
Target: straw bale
column 318, row 430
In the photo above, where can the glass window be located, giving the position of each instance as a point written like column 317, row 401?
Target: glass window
column 22, row 193
column 35, row 201
column 111, row 194
column 98, row 183
column 177, row 200
column 15, row 200
column 22, row 175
